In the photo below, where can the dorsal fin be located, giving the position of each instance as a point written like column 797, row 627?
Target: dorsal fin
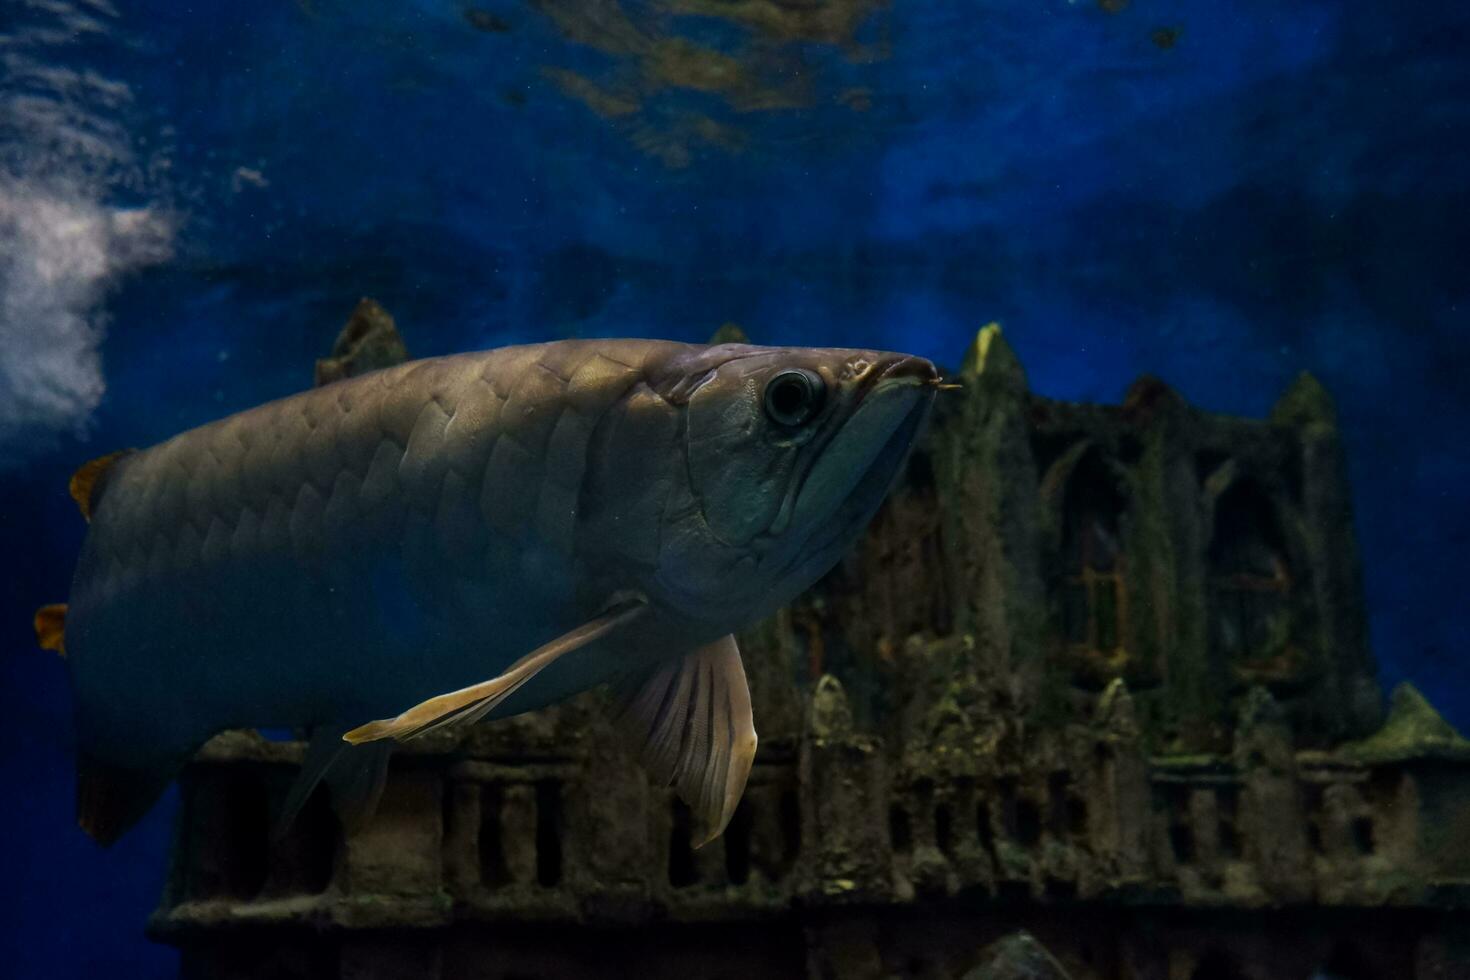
column 51, row 627
column 87, row 482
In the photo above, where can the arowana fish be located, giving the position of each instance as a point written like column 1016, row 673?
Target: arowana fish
column 550, row 517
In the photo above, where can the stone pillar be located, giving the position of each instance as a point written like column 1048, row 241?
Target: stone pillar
column 1165, row 549
column 987, row 479
column 610, row 854
column 947, row 727
column 846, row 855
column 399, row 851
column 775, row 828
column 518, row 832
column 1271, row 814
column 1204, row 825
column 773, row 661
column 1117, row 823
column 462, row 837
column 1348, row 698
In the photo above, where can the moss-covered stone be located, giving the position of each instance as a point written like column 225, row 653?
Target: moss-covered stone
column 368, row 341
column 1305, row 403
column 729, row 333
column 944, row 754
column 1414, row 730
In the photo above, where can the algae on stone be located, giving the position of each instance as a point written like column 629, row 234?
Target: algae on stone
column 1413, row 730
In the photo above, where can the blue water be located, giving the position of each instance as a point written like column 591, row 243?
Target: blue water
column 193, row 197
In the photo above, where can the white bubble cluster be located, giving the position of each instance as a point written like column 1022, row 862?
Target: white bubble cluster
column 64, row 153
column 60, row 252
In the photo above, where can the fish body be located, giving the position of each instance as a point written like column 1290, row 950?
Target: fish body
column 347, row 552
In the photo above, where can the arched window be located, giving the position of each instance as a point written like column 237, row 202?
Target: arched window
column 1093, row 598
column 1250, row 587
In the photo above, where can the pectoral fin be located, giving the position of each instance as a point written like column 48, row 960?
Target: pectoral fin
column 325, row 747
column 692, row 718
column 468, row 705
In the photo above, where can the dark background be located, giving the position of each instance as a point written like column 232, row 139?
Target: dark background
column 1219, row 194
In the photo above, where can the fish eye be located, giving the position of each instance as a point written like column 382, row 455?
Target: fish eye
column 794, row 396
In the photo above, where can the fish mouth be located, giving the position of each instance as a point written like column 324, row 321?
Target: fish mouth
column 898, row 399
column 877, row 478
column 907, row 369
column 893, row 399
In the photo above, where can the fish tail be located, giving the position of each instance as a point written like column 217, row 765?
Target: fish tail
column 111, row 799
column 50, row 624
column 131, row 742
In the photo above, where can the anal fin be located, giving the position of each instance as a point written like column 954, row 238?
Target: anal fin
column 354, row 775
column 693, row 721
column 322, row 750
column 355, row 782
column 50, row 623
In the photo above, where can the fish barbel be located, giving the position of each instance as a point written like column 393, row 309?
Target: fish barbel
column 465, row 537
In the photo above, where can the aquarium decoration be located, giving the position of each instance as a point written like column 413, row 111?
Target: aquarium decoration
column 1091, row 698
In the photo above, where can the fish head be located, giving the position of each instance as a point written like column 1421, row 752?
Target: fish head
column 787, row 454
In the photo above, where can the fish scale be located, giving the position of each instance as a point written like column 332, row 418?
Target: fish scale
column 420, row 465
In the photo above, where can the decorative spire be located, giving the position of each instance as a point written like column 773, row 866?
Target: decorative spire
column 1305, row 404
column 1115, row 713
column 991, row 358
column 1146, row 397
column 828, row 715
column 369, row 341
column 1262, row 733
column 729, row 333
column 1414, row 730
